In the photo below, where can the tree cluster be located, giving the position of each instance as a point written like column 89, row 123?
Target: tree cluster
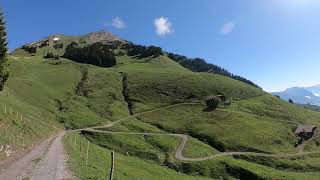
column 30, row 49
column 58, row 46
column 200, row 65
column 97, row 54
column 44, row 44
column 212, row 103
column 51, row 55
column 143, row 51
column 291, row 101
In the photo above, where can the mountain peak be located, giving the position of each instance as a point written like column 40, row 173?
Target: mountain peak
column 102, row 36
column 302, row 95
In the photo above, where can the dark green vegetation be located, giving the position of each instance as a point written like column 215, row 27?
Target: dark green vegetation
column 200, row 65
column 96, row 54
column 212, row 103
column 3, row 52
column 83, row 95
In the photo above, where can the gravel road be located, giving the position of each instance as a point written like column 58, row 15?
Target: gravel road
column 47, row 161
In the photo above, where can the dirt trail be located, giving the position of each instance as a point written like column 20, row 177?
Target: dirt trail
column 184, row 140
column 47, row 161
column 135, row 115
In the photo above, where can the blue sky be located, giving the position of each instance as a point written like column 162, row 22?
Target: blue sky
column 274, row 43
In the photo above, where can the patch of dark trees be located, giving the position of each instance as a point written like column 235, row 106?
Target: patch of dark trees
column 44, row 44
column 30, row 49
column 142, row 51
column 82, row 88
column 97, row 54
column 125, row 92
column 290, row 101
column 58, row 46
column 212, row 104
column 200, row 65
column 51, row 55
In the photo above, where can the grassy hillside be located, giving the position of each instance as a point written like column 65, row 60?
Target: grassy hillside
column 126, row 167
column 31, row 91
column 311, row 107
column 56, row 94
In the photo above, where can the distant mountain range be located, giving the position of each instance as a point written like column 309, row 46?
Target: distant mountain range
column 301, row 95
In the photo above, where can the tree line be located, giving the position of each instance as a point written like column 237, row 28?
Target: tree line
column 142, row 51
column 200, row 65
column 97, row 54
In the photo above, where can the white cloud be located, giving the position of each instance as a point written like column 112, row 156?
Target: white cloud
column 227, row 28
column 163, row 26
column 118, row 23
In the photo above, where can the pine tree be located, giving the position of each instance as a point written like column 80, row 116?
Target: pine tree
column 291, row 101
column 3, row 52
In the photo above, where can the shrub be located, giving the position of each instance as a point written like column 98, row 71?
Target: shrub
column 58, row 46
column 212, row 103
column 30, row 49
column 49, row 55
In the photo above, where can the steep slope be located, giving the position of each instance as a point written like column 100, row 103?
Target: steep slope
column 142, row 95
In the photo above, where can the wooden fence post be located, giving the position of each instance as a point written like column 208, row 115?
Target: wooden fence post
column 80, row 148
column 87, row 153
column 5, row 109
column 10, row 110
column 112, row 165
column 21, row 117
column 75, row 141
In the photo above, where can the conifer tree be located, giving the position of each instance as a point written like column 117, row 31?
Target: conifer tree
column 3, row 52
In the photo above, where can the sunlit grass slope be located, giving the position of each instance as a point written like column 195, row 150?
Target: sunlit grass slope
column 52, row 95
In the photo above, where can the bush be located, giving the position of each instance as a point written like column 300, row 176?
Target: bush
column 58, row 46
column 49, row 55
column 212, row 103
column 30, row 49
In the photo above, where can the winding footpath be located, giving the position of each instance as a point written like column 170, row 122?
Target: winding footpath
column 184, row 139
column 48, row 160
column 135, row 115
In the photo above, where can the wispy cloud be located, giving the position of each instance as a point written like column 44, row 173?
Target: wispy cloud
column 227, row 28
column 118, row 23
column 163, row 26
